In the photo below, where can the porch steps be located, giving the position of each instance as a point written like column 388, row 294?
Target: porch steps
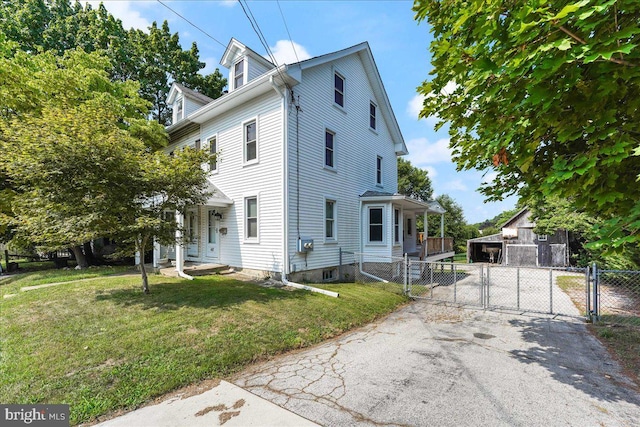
column 197, row 270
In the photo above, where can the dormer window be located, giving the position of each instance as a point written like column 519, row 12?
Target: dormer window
column 179, row 115
column 238, row 74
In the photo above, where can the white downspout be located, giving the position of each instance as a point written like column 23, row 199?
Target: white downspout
column 310, row 288
column 180, row 248
column 285, row 178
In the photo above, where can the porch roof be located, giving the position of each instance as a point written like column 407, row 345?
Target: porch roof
column 217, row 197
column 406, row 202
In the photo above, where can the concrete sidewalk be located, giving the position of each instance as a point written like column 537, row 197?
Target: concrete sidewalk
column 223, row 404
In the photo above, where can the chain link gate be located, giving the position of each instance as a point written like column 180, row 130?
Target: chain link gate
column 530, row 289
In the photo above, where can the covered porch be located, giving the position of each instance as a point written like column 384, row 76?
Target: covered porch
column 403, row 235
column 197, row 234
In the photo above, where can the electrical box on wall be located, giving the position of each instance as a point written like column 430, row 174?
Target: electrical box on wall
column 305, row 245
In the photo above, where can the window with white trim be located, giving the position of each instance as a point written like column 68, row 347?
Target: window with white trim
column 338, row 89
column 238, row 74
column 376, row 225
column 179, row 109
column 330, row 219
column 251, row 218
column 396, row 225
column 372, row 115
column 250, row 142
column 378, row 170
column 213, row 149
column 329, row 148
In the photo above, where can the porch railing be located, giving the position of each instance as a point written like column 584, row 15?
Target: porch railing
column 436, row 245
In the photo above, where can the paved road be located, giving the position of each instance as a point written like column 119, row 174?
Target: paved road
column 433, row 365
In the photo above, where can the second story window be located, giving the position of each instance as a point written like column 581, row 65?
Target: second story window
column 378, row 170
column 338, row 89
column 238, row 74
column 250, row 142
column 213, row 149
column 329, row 149
column 372, row 115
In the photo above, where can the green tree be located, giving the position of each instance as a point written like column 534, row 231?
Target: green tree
column 547, row 93
column 413, row 181
column 83, row 162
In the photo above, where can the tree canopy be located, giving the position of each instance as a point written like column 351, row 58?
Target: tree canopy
column 413, row 181
column 547, row 93
column 154, row 58
column 80, row 157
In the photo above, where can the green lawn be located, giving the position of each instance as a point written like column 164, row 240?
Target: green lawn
column 102, row 345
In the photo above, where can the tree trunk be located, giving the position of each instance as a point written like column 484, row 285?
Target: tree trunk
column 145, row 280
column 80, row 258
column 142, row 245
column 88, row 253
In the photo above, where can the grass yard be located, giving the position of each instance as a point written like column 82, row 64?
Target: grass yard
column 102, row 345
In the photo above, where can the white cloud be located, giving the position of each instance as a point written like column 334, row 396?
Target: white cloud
column 422, row 152
column 415, row 105
column 124, row 11
column 284, row 53
column 456, row 185
column 228, row 3
column 431, row 171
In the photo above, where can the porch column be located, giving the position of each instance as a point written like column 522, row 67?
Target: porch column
column 179, row 239
column 156, row 253
column 442, row 231
column 425, row 234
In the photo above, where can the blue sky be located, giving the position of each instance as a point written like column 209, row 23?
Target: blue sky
column 400, row 47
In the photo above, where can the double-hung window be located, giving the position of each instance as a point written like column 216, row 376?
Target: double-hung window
column 330, row 219
column 338, row 89
column 378, row 170
column 329, row 149
column 213, row 149
column 238, row 74
column 250, row 142
column 251, row 218
column 372, row 115
column 376, row 225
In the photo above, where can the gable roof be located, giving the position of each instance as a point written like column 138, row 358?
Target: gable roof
column 235, row 49
column 292, row 74
column 189, row 93
column 515, row 216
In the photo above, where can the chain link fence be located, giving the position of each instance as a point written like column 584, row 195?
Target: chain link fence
column 617, row 297
column 385, row 271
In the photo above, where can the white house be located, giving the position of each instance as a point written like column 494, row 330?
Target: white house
column 306, row 166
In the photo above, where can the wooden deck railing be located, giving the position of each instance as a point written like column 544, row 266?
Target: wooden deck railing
column 434, row 245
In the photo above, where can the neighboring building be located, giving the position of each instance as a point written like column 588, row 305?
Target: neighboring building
column 517, row 244
column 306, row 165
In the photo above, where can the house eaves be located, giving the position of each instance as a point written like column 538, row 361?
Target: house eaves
column 405, row 201
column 238, row 97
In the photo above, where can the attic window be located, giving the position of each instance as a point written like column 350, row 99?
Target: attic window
column 179, row 110
column 338, row 85
column 372, row 115
column 238, row 74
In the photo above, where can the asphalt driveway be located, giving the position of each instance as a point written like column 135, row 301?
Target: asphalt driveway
column 428, row 364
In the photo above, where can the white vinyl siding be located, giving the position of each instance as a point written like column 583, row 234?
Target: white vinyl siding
column 356, row 146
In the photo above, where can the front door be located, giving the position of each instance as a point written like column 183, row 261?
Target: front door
column 212, row 235
column 193, row 236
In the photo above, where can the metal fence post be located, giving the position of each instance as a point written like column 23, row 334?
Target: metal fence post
column 455, row 282
column 596, row 291
column 406, row 273
column 431, row 278
column 518, row 287
column 588, row 278
column 551, row 291
column 487, row 287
